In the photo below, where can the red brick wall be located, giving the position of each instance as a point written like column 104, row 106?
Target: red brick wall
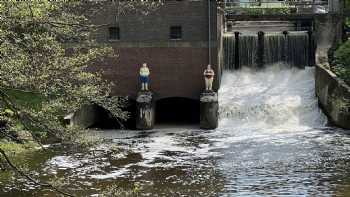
column 176, row 65
column 175, row 72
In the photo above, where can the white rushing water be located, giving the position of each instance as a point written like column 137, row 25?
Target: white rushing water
column 278, row 97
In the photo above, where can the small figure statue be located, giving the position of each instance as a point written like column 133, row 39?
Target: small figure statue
column 144, row 76
column 209, row 78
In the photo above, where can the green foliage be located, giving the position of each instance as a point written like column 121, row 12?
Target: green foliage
column 40, row 83
column 342, row 54
column 16, row 148
column 26, row 99
column 342, row 61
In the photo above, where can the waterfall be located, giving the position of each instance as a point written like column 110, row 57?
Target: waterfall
column 291, row 48
column 229, row 51
column 298, row 48
column 277, row 96
column 248, row 50
column 274, row 43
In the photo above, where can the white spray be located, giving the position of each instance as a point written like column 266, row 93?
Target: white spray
column 278, row 97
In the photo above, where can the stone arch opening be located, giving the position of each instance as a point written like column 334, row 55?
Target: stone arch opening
column 103, row 119
column 177, row 110
column 107, row 121
column 95, row 116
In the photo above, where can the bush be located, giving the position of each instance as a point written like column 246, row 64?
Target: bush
column 342, row 54
column 342, row 61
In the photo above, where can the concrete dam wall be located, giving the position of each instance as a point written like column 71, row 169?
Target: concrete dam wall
column 296, row 48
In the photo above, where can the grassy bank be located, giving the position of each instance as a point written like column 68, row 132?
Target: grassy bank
column 16, row 148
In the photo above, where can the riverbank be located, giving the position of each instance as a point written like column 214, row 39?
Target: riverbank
column 16, row 148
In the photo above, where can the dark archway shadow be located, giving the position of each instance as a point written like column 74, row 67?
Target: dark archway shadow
column 177, row 111
column 107, row 121
column 104, row 119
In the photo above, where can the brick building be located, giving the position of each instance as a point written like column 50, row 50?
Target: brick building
column 173, row 40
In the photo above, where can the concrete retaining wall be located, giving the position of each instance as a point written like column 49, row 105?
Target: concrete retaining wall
column 334, row 97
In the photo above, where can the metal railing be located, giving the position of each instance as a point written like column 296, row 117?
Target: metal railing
column 257, row 7
column 271, row 4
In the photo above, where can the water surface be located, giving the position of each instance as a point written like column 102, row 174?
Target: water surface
column 272, row 140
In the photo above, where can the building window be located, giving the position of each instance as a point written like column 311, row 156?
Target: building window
column 114, row 33
column 175, row 32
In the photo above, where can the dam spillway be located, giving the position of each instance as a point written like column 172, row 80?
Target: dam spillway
column 252, row 49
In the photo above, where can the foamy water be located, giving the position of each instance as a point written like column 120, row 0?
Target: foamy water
column 277, row 97
column 271, row 141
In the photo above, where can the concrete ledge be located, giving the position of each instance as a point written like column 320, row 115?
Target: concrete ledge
column 333, row 96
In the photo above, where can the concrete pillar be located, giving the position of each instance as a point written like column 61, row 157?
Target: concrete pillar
column 229, row 26
column 209, row 110
column 334, row 6
column 145, row 110
column 327, row 38
column 261, row 49
column 237, row 66
column 311, row 49
column 285, row 47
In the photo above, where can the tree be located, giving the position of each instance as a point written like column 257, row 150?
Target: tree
column 40, row 81
column 33, row 59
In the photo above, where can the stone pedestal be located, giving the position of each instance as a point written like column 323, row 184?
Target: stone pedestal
column 145, row 110
column 209, row 110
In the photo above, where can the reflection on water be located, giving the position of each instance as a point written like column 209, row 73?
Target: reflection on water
column 272, row 141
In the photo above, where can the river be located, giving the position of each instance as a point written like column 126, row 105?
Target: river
column 272, row 140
